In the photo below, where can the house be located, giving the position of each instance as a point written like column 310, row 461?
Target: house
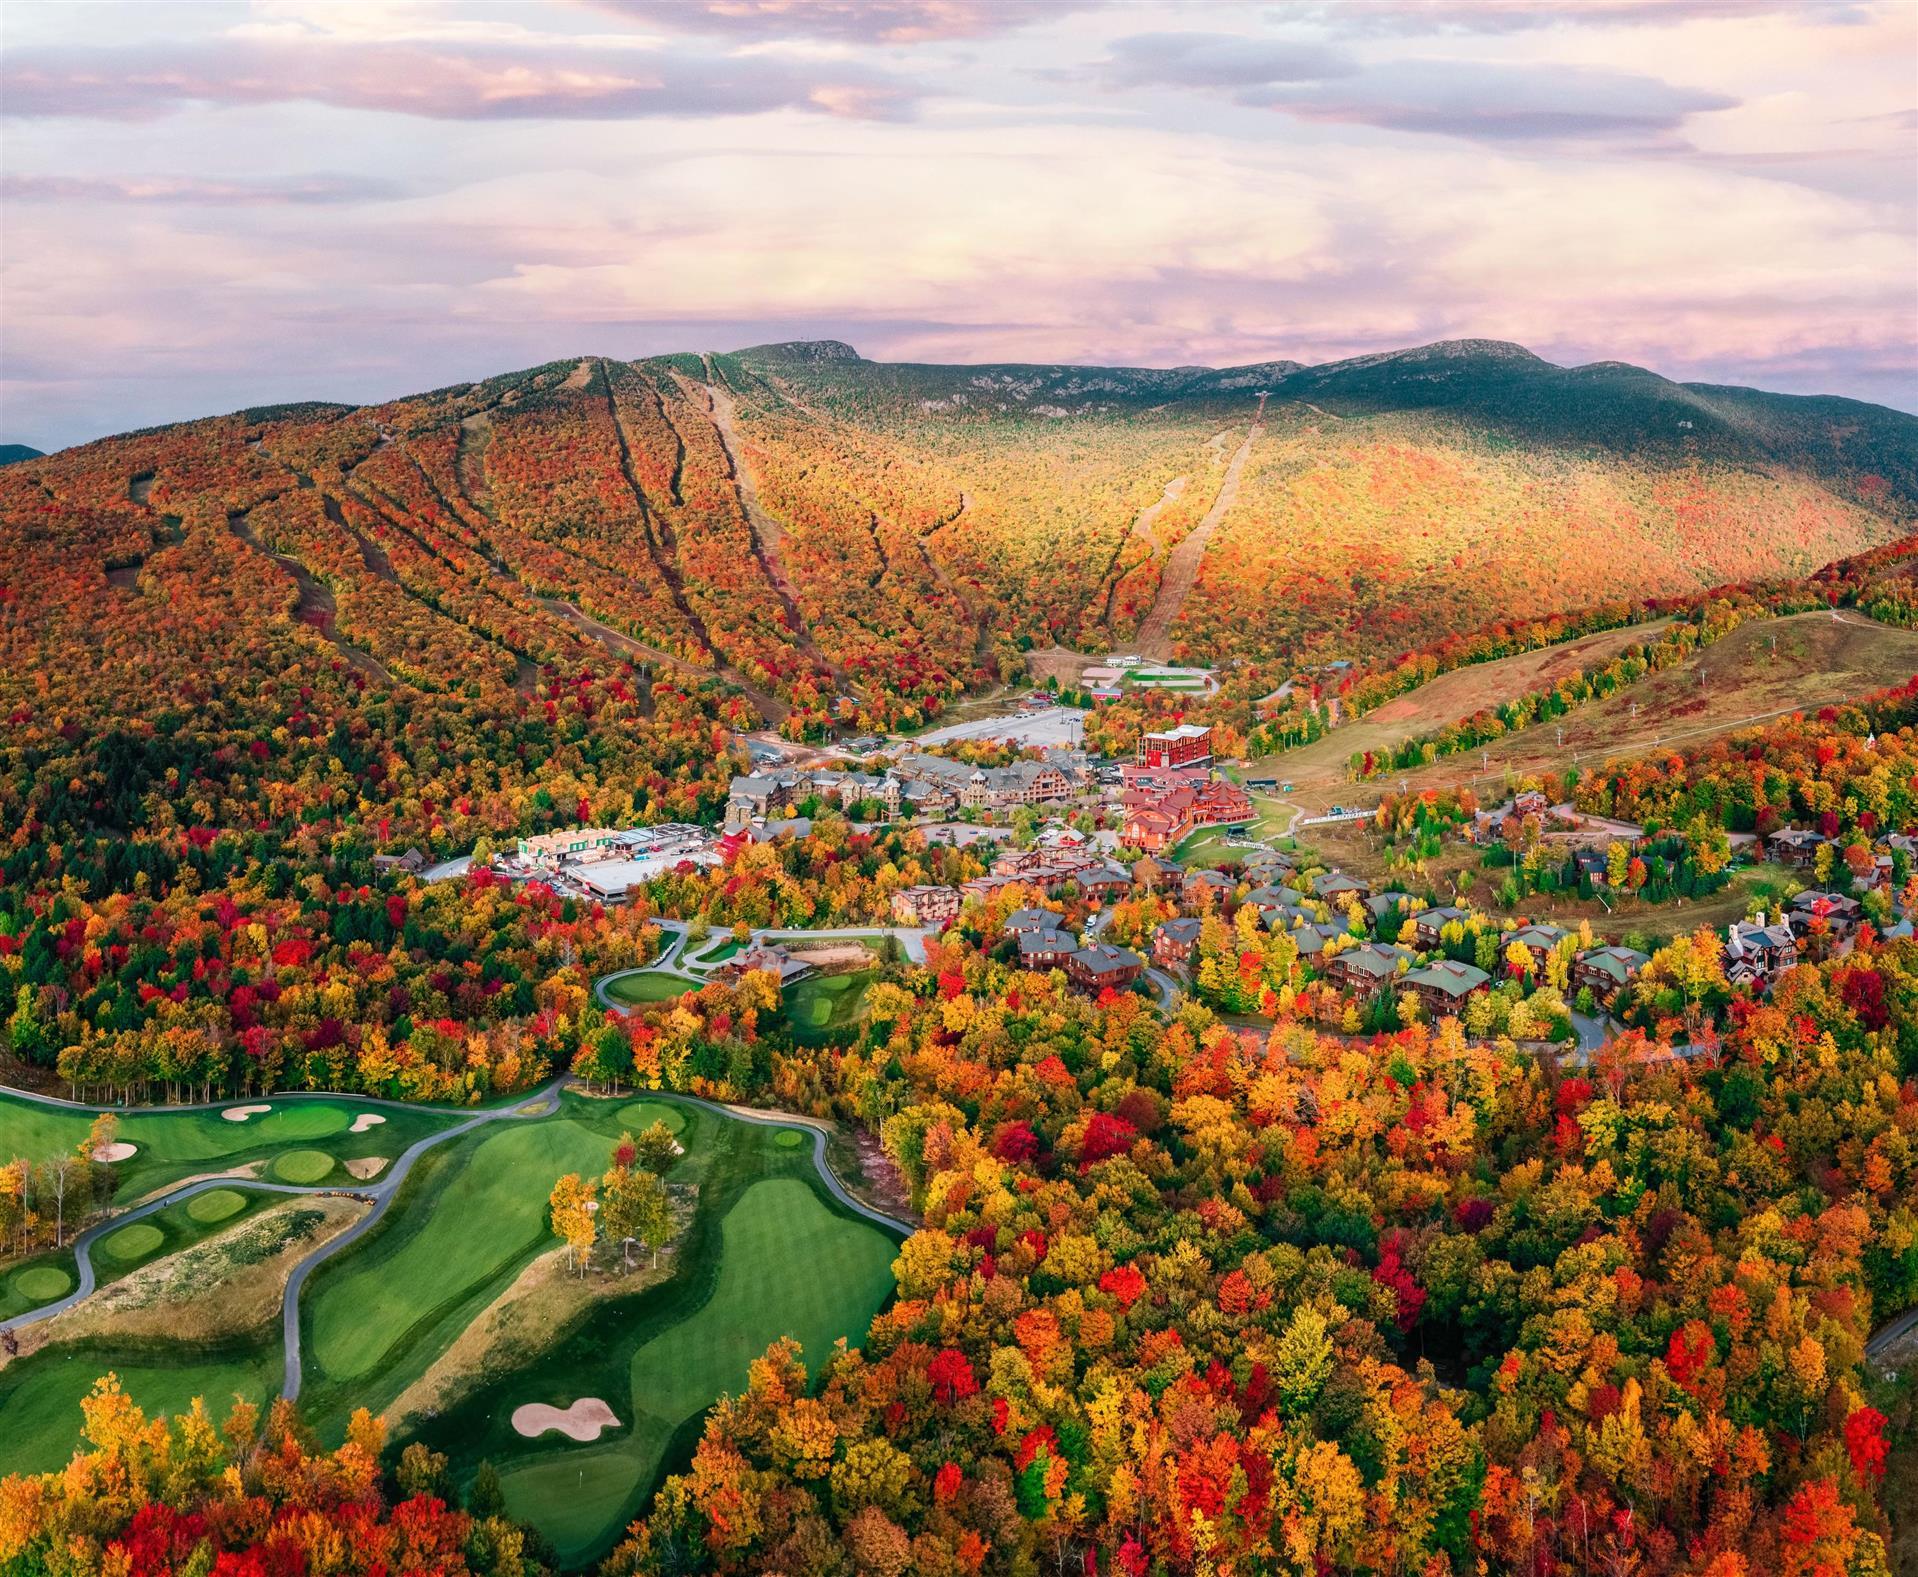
column 1185, row 746
column 1795, row 846
column 1276, row 905
column 1202, row 885
column 411, row 863
column 1030, row 919
column 1152, row 874
column 1339, row 890
column 1538, row 940
column 1104, row 882
column 752, row 796
column 1363, row 970
column 768, row 956
column 1757, row 953
column 1268, row 864
column 1102, row 965
column 1428, row 926
column 1840, row 916
column 931, row 906
column 1590, row 865
column 1444, row 987
column 1045, row 949
column 1606, row 970
column 1173, row 943
column 1310, row 936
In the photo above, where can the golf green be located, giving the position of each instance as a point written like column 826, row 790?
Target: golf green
column 43, row 1283
column 789, row 1138
column 651, row 986
column 131, row 1243
column 302, row 1166
column 216, row 1206
column 641, row 1115
column 304, row 1120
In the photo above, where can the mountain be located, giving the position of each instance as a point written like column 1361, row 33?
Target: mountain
column 817, row 533
column 9, row 453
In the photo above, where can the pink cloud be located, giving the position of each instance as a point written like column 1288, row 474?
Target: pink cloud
column 846, row 21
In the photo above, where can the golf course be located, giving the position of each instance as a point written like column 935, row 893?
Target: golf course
column 771, row 1247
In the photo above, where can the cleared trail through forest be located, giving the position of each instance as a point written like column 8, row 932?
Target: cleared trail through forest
column 1141, row 530
column 1182, row 563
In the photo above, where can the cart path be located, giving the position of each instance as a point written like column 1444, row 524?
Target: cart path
column 1182, row 563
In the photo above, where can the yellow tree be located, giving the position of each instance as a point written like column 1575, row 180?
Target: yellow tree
column 572, row 1205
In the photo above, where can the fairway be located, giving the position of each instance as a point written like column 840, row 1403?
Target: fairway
column 789, row 1267
column 215, row 1206
column 302, row 1166
column 377, row 1309
column 641, row 1115
column 40, row 1396
column 650, row 986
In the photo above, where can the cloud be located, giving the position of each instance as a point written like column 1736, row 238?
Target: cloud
column 293, row 191
column 438, row 81
column 1499, row 103
column 1458, row 98
column 1509, row 16
column 1217, row 60
column 846, row 21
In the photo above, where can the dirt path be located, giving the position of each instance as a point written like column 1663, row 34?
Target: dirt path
column 469, row 465
column 581, row 375
column 1182, row 563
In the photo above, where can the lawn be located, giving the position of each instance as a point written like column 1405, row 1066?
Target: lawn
column 641, row 1115
column 40, row 1396
column 651, row 986
column 824, row 1007
column 789, row 1267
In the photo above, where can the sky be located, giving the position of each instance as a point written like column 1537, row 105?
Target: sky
column 208, row 206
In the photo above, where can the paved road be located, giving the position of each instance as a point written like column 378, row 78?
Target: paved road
column 1164, row 987
column 1889, row 1333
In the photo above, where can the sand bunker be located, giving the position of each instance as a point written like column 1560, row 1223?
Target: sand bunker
column 115, row 1152
column 365, row 1121
column 584, row 1420
column 239, row 1114
column 367, row 1166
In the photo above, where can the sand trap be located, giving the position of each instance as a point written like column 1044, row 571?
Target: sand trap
column 365, row 1121
column 239, row 1114
column 367, row 1166
column 115, row 1152
column 584, row 1420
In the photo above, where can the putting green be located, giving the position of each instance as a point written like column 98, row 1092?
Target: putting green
column 651, row 986
column 131, row 1243
column 216, row 1206
column 300, row 1120
column 641, row 1115
column 302, row 1166
column 43, row 1283
column 789, row 1138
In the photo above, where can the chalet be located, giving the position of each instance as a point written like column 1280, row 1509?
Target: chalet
column 411, row 863
column 1363, row 970
column 1428, row 925
column 1201, row 885
column 1339, row 890
column 916, row 797
column 1310, row 936
column 1276, row 905
column 1101, row 965
column 1756, row 953
column 1538, row 940
column 768, row 956
column 1173, row 943
column 1606, row 970
column 1795, row 846
column 1030, row 919
column 1268, row 864
column 1841, row 916
column 1185, row 746
column 1444, row 987
column 1104, row 882
column 930, row 906
column 1152, row 874
column 1045, row 949
column 1163, row 808
column 1590, row 865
